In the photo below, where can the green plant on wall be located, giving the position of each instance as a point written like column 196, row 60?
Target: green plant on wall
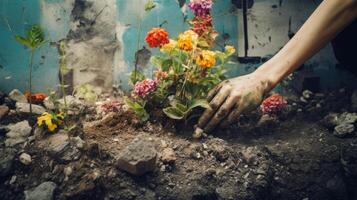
column 33, row 40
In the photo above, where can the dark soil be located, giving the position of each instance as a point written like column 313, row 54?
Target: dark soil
column 293, row 158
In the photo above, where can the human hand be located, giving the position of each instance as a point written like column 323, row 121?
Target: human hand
column 231, row 98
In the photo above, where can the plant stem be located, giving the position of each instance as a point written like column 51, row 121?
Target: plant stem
column 30, row 78
column 137, row 48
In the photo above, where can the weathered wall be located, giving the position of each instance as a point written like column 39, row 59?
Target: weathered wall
column 101, row 38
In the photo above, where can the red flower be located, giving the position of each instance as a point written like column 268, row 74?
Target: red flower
column 273, row 104
column 35, row 98
column 157, row 37
column 145, row 87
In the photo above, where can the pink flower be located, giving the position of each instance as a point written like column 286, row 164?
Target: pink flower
column 145, row 87
column 273, row 104
column 200, row 7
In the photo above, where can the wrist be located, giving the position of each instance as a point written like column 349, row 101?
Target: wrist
column 266, row 76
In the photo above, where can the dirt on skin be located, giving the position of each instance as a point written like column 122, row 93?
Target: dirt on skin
column 295, row 158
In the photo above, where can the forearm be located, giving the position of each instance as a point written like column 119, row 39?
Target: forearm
column 321, row 27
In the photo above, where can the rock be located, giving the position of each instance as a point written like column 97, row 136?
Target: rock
column 39, row 132
column 17, row 96
column 344, row 130
column 25, row 108
column 78, row 142
column 330, row 120
column 9, row 103
column 4, row 110
column 354, row 100
column 307, row 94
column 6, row 162
column 25, row 159
column 347, row 118
column 168, row 155
column 18, row 133
column 139, row 157
column 198, row 133
column 67, row 171
column 249, row 155
column 219, row 149
column 266, row 121
column 56, row 144
column 71, row 154
column 48, row 103
column 42, row 192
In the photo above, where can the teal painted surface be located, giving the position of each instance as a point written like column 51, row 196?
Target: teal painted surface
column 131, row 14
column 19, row 15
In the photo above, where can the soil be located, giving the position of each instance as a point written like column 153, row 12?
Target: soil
column 296, row 157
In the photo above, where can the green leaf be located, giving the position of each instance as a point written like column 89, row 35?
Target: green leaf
column 174, row 113
column 23, row 41
column 156, row 61
column 149, row 5
column 138, row 109
column 199, row 103
column 135, row 77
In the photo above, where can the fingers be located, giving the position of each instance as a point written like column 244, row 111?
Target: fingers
column 213, row 92
column 222, row 112
column 215, row 104
column 233, row 116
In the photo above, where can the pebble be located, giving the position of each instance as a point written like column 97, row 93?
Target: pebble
column 25, row 159
column 44, row 191
column 25, row 108
column 17, row 96
column 344, row 130
column 168, row 155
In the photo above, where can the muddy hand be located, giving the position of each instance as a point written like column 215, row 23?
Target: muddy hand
column 231, row 98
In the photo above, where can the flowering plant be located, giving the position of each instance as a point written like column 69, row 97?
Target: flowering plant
column 273, row 105
column 51, row 120
column 186, row 68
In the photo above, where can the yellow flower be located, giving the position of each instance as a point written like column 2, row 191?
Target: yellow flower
column 167, row 48
column 230, row 50
column 187, row 40
column 206, row 59
column 47, row 119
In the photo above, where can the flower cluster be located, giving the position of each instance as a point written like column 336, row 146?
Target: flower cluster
column 35, row 98
column 111, row 106
column 186, row 69
column 157, row 37
column 187, row 40
column 273, row 104
column 201, row 24
column 206, row 59
column 200, row 7
column 51, row 120
column 145, row 87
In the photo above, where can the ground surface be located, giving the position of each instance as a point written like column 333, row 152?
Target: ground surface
column 294, row 158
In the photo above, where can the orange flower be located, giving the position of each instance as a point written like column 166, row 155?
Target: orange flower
column 35, row 98
column 206, row 59
column 187, row 40
column 157, row 37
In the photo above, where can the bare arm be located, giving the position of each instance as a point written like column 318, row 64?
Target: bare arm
column 238, row 95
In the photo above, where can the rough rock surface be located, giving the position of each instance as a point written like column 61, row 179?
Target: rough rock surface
column 18, row 133
column 42, row 192
column 139, row 157
column 3, row 111
column 344, row 130
column 25, row 108
column 25, row 159
column 168, row 155
column 17, row 96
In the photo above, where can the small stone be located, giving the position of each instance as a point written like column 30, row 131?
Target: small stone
column 79, row 143
column 42, row 192
column 266, row 121
column 13, row 179
column 330, row 120
column 18, row 133
column 39, row 132
column 344, row 130
column 168, row 155
column 56, row 144
column 198, row 133
column 249, row 155
column 25, row 108
column 67, row 171
column 25, row 159
column 139, row 157
column 4, row 110
column 17, row 96
column 307, row 94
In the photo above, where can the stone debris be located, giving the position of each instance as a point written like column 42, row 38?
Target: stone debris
column 18, row 133
column 44, row 191
column 139, row 157
column 4, row 110
column 17, row 96
column 344, row 130
column 25, row 108
column 168, row 156
column 25, row 159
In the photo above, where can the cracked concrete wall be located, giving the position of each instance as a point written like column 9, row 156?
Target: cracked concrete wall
column 91, row 42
